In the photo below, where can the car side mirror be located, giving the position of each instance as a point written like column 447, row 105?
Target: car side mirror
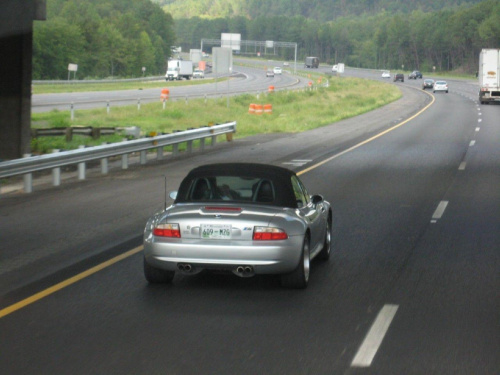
column 316, row 198
column 173, row 195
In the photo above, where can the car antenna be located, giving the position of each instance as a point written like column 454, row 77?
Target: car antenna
column 165, row 203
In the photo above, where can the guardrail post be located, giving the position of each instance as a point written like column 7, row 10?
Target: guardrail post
column 138, row 104
column 175, row 149
column 56, row 173
column 186, row 99
column 125, row 161
column 189, row 146
column 159, row 153
column 214, row 140
column 81, row 168
column 28, row 179
column 202, row 144
column 107, row 108
column 104, row 164
column 69, row 134
column 143, row 157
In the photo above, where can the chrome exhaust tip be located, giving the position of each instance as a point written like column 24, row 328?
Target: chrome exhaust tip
column 183, row 267
column 244, row 271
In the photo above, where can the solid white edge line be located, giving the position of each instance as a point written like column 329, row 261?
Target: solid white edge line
column 462, row 166
column 440, row 210
column 373, row 339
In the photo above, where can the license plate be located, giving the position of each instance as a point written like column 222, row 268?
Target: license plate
column 216, row 231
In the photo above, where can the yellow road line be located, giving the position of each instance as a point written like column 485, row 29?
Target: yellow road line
column 368, row 140
column 44, row 293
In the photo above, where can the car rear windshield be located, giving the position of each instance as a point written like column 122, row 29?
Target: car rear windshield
column 231, row 189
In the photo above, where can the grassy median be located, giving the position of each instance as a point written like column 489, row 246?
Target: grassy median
column 292, row 112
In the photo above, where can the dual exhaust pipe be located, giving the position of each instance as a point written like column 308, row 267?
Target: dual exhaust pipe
column 244, row 271
column 185, row 267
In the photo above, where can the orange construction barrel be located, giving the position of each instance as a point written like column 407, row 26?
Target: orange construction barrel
column 268, row 108
column 251, row 109
column 164, row 94
column 259, row 109
column 271, row 89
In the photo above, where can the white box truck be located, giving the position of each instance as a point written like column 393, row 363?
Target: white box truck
column 489, row 75
column 179, row 69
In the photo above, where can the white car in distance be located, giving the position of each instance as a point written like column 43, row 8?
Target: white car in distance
column 440, row 86
column 198, row 73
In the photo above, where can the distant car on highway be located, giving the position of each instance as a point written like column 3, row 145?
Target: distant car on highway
column 241, row 218
column 427, row 84
column 386, row 74
column 414, row 75
column 277, row 70
column 440, row 86
column 198, row 73
column 270, row 73
column 286, row 63
column 399, row 77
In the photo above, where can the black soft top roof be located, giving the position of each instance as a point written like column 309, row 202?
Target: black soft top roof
column 281, row 178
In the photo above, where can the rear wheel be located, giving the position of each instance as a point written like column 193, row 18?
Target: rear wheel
column 157, row 276
column 299, row 278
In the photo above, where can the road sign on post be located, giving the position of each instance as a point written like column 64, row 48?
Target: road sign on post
column 72, row 68
column 222, row 60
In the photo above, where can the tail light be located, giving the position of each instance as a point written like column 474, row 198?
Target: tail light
column 167, row 230
column 269, row 234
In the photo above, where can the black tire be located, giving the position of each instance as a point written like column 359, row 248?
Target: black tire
column 299, row 278
column 324, row 254
column 157, row 276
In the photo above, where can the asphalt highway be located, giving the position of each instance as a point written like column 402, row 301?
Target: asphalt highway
column 243, row 80
column 411, row 287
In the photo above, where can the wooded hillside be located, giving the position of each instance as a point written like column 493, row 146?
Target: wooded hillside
column 116, row 38
column 448, row 39
column 104, row 37
column 320, row 10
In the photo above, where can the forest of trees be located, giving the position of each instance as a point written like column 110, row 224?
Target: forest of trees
column 116, row 38
column 319, row 10
column 448, row 39
column 106, row 38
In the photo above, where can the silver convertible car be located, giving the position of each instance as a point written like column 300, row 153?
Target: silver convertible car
column 243, row 218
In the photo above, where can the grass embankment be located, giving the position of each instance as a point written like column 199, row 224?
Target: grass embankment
column 292, row 112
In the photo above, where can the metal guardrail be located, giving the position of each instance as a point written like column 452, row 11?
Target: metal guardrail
column 27, row 165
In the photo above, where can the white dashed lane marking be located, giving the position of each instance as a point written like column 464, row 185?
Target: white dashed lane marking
column 298, row 162
column 439, row 211
column 373, row 339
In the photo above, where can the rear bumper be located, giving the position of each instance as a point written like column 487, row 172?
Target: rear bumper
column 266, row 257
